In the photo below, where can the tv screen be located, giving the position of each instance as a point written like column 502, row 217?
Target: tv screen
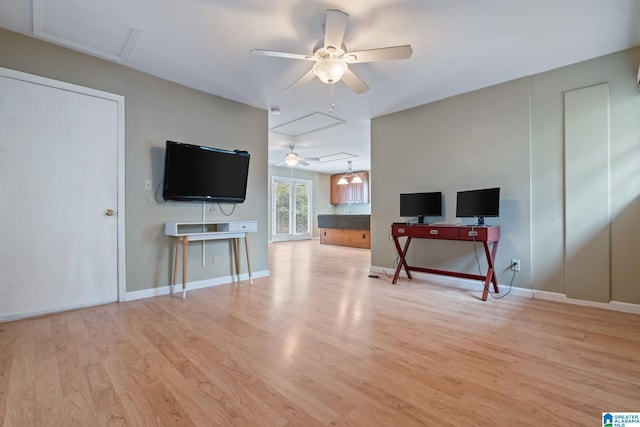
column 478, row 203
column 196, row 173
column 421, row 205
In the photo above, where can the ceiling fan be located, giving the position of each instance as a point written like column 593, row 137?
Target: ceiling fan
column 332, row 58
column 292, row 159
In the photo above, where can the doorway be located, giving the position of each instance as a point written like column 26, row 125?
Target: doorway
column 291, row 209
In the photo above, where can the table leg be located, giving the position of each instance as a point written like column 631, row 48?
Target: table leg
column 402, row 252
column 487, row 281
column 246, row 248
column 236, row 256
column 491, row 275
column 185, row 250
column 175, row 263
column 494, row 250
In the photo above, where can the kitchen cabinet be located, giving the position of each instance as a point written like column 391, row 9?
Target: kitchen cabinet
column 350, row 193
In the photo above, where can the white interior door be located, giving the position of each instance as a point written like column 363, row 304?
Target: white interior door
column 59, row 153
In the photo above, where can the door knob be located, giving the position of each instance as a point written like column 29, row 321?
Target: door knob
column 109, row 212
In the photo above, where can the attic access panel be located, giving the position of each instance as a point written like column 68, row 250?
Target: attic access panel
column 307, row 124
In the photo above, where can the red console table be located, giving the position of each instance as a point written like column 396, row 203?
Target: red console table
column 489, row 237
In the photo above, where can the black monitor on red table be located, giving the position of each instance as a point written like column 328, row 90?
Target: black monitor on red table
column 481, row 203
column 421, row 205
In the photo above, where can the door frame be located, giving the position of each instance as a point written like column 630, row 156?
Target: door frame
column 293, row 181
column 120, row 208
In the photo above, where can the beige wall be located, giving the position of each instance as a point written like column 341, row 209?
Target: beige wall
column 157, row 110
column 619, row 70
column 512, row 135
column 471, row 141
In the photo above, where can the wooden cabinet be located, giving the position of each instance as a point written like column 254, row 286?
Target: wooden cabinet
column 350, row 193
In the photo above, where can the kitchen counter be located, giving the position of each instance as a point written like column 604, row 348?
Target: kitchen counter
column 345, row 222
column 345, row 230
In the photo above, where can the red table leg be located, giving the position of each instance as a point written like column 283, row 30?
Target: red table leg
column 402, row 252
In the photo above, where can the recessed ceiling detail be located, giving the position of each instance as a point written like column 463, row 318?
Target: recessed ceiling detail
column 336, row 157
column 64, row 23
column 307, row 124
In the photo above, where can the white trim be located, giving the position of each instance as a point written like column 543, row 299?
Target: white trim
column 475, row 285
column 166, row 290
column 12, row 318
column 611, row 305
column 291, row 236
column 120, row 209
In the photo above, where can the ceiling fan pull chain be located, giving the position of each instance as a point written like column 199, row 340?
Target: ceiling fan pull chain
column 331, row 98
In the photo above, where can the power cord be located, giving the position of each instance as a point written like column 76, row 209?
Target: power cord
column 475, row 251
column 227, row 214
column 494, row 294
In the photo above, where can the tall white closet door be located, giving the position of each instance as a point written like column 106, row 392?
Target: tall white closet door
column 58, row 180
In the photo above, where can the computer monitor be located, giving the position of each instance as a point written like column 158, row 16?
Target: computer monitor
column 478, row 203
column 421, row 205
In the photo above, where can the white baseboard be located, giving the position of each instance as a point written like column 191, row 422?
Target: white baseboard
column 468, row 284
column 14, row 317
column 611, row 305
column 165, row 290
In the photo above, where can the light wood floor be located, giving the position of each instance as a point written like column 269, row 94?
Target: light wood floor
column 316, row 344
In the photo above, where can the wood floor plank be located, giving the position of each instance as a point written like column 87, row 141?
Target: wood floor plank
column 318, row 343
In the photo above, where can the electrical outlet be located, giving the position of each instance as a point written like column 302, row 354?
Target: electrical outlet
column 147, row 185
column 216, row 259
column 515, row 265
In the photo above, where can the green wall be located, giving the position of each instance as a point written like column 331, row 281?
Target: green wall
column 157, row 110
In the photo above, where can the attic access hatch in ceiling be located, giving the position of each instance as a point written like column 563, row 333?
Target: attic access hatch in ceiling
column 70, row 25
column 304, row 125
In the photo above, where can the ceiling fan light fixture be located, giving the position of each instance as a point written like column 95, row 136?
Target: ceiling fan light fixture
column 291, row 162
column 330, row 70
column 342, row 181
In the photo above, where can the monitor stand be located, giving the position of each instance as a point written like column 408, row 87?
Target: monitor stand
column 421, row 219
column 480, row 220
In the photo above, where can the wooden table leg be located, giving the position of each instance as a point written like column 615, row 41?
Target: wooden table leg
column 175, row 263
column 185, row 250
column 246, row 248
column 402, row 253
column 494, row 250
column 236, row 254
column 487, row 282
column 491, row 276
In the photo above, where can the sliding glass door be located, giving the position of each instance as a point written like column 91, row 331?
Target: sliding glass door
column 291, row 204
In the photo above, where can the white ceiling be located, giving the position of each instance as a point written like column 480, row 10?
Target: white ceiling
column 458, row 46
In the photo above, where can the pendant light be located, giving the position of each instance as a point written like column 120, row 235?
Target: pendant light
column 349, row 177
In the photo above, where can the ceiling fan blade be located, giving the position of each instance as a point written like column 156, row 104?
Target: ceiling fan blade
column 301, row 81
column 282, row 54
column 310, row 159
column 303, row 163
column 381, row 54
column 334, row 27
column 354, row 82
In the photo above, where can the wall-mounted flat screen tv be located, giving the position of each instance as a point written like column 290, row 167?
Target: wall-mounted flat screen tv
column 195, row 173
column 421, row 205
column 478, row 203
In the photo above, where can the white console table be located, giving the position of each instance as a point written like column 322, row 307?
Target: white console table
column 185, row 232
